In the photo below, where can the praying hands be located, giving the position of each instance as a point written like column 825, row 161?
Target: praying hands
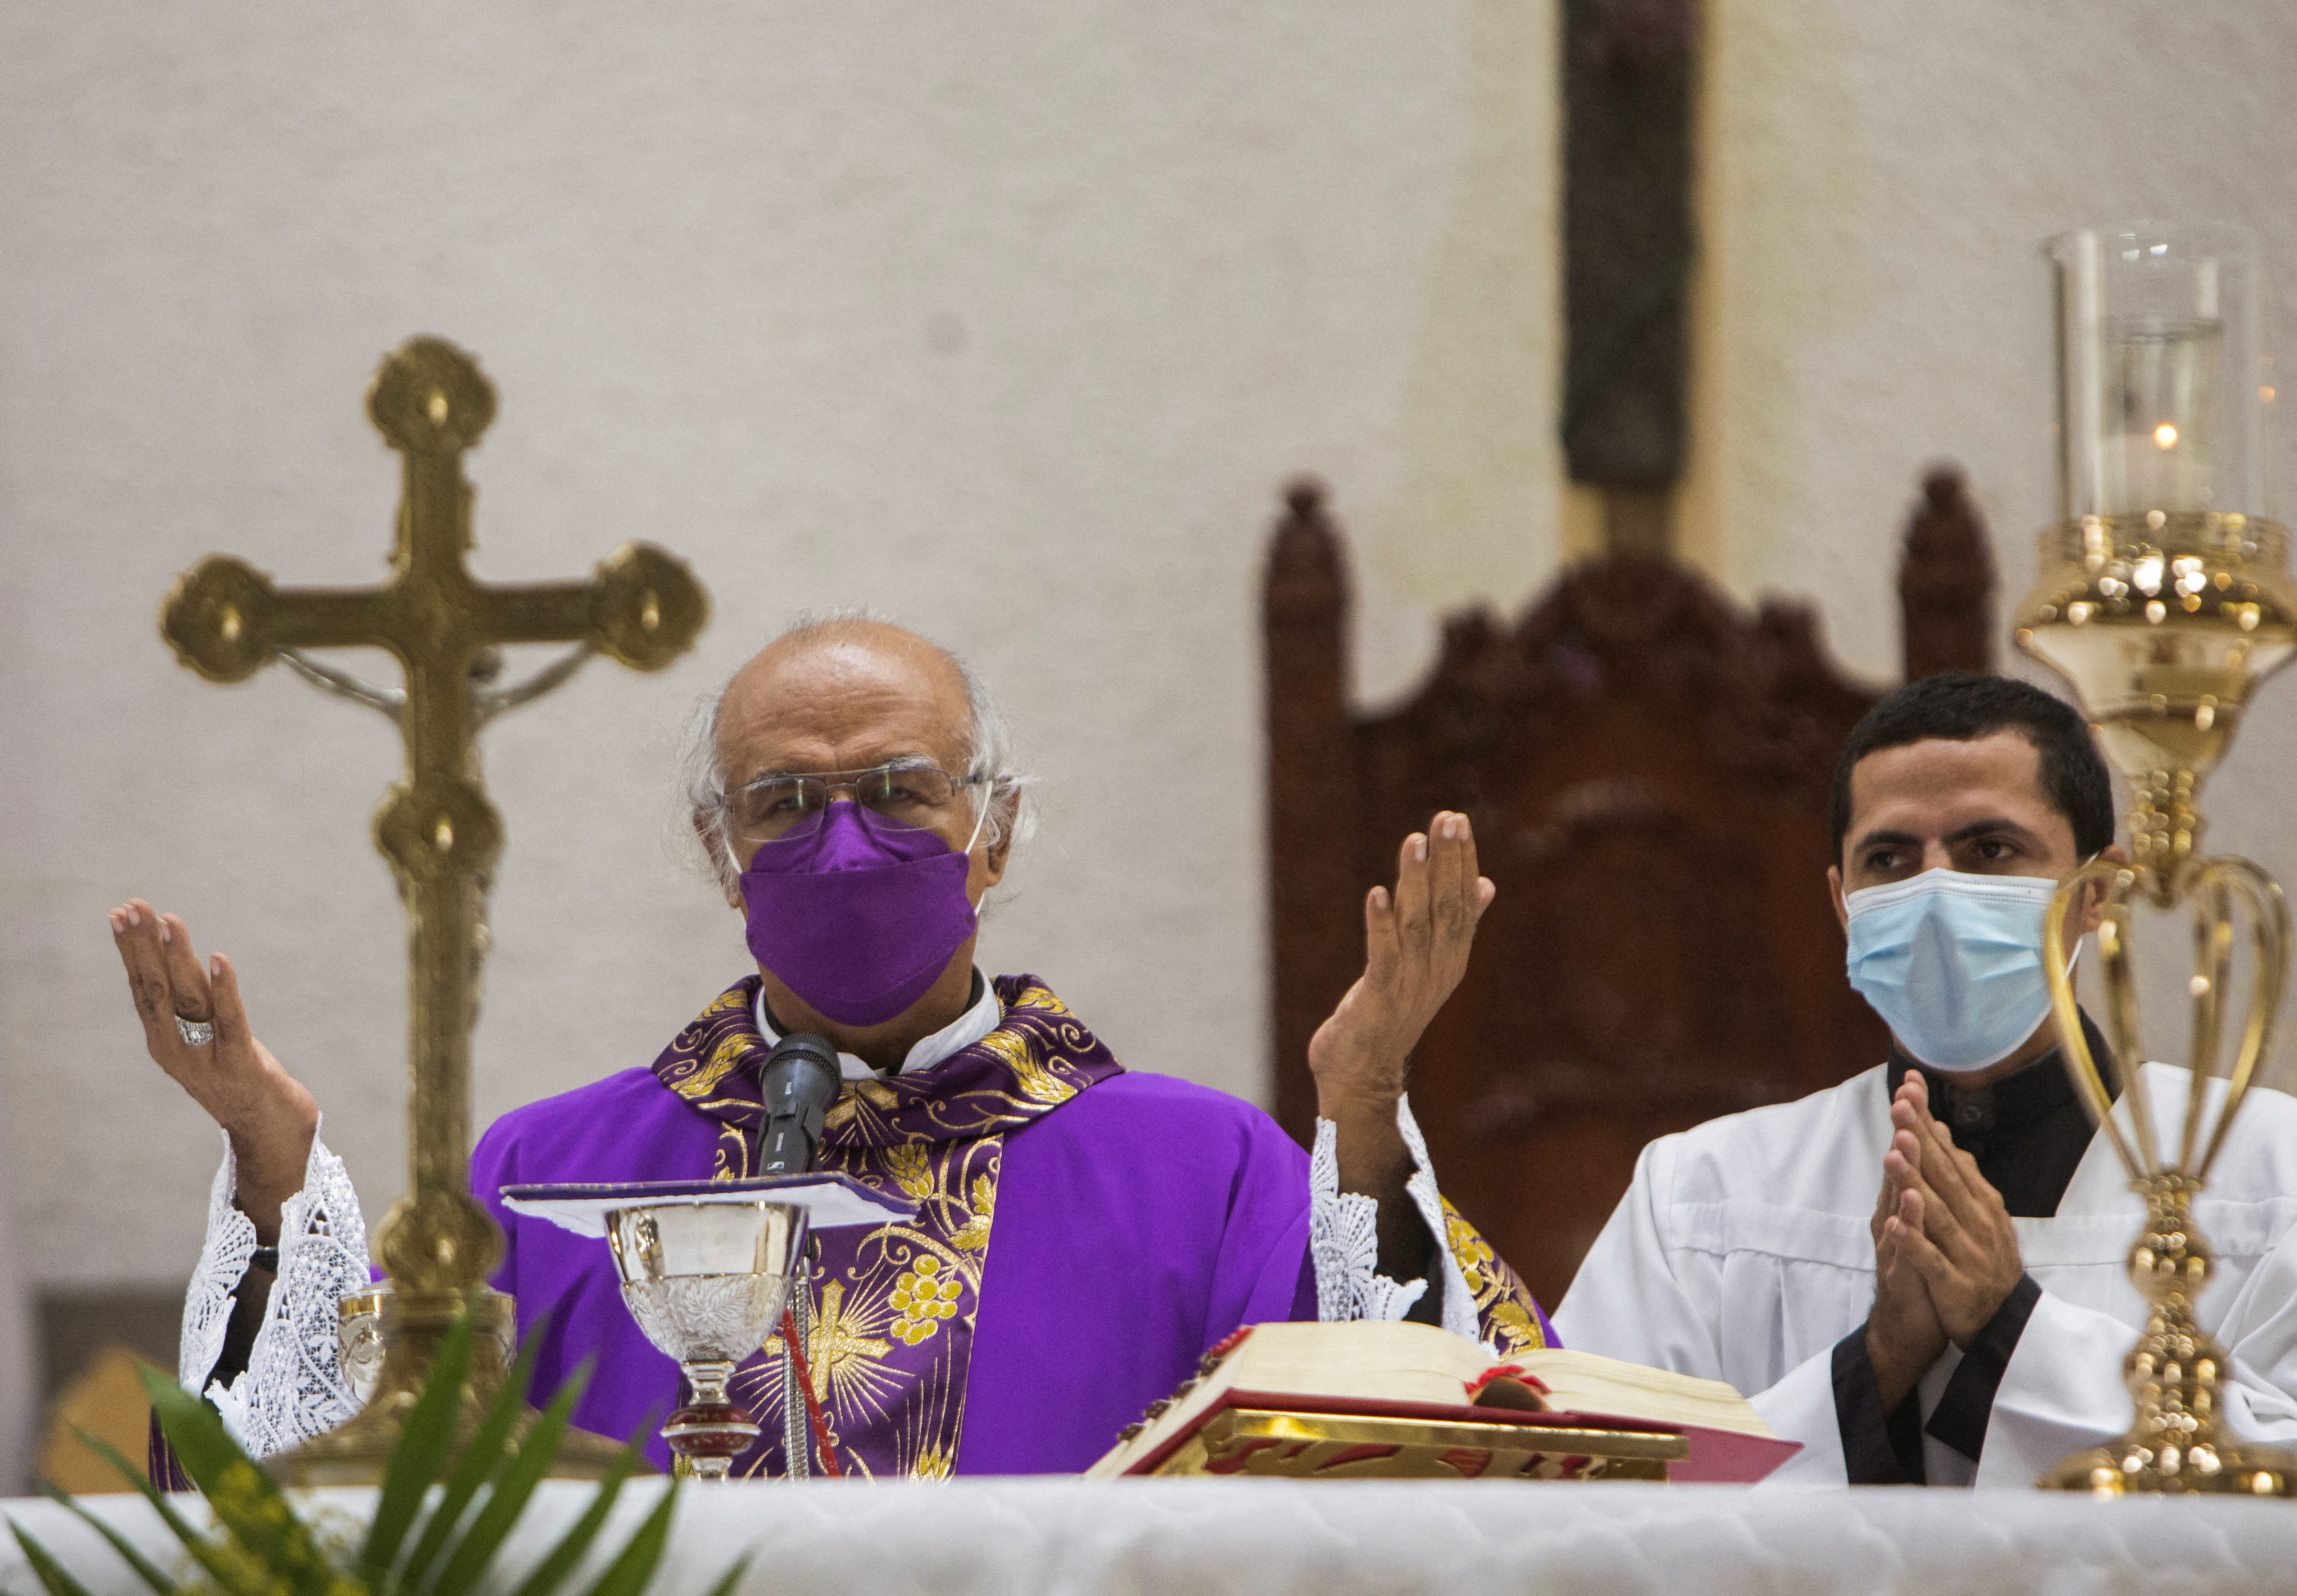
column 1946, row 1253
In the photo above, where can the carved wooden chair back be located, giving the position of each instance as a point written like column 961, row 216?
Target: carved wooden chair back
column 1647, row 767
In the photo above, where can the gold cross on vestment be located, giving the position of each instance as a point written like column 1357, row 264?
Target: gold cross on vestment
column 226, row 621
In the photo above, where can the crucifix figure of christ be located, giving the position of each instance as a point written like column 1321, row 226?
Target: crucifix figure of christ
column 225, row 620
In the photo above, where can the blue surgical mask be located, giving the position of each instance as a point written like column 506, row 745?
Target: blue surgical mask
column 1953, row 963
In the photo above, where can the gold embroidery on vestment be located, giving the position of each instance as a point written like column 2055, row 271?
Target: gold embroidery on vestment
column 1508, row 1325
column 906, row 1282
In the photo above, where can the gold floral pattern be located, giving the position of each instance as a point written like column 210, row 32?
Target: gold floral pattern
column 1039, row 1084
column 973, row 1235
column 923, row 1298
column 910, row 1169
column 854, row 1098
column 1510, row 1325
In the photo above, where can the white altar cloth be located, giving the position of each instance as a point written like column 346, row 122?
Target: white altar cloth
column 1068, row 1537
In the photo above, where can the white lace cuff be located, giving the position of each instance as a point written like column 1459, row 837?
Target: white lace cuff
column 1344, row 1237
column 224, row 1258
column 294, row 1389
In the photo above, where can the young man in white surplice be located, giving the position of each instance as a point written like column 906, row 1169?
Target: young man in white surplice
column 1922, row 1273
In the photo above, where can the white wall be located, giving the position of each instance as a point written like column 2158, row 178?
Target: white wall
column 1879, row 174
column 1006, row 316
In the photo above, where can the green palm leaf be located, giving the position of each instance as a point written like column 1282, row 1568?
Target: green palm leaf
column 244, row 1498
column 233, row 1574
column 52, row 1573
column 267, row 1550
column 732, row 1576
column 424, row 1440
column 146, row 1570
column 628, row 1574
column 202, row 1445
column 515, row 1484
column 551, row 1572
column 479, row 1462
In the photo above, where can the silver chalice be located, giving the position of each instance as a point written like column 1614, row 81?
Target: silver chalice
column 707, row 1282
column 707, row 1268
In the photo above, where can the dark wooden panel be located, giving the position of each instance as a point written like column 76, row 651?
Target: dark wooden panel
column 1627, row 247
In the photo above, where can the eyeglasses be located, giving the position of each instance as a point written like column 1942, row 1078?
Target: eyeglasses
column 916, row 795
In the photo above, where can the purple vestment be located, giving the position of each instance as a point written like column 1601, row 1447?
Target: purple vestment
column 1137, row 1221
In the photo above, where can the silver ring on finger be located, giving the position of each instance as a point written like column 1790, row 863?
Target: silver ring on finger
column 196, row 1033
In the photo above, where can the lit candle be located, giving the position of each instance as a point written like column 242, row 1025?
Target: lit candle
column 2162, row 379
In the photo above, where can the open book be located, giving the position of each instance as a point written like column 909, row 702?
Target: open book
column 1402, row 1370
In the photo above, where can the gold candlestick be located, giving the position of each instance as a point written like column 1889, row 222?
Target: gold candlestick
column 226, row 621
column 2165, row 614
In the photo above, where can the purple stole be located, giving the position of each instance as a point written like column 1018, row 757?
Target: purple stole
column 893, row 1308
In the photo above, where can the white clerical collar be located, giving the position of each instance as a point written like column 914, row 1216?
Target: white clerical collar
column 958, row 1034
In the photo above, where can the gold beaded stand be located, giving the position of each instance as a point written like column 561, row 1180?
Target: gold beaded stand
column 2165, row 623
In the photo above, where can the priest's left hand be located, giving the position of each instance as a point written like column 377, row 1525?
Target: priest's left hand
column 1417, row 939
column 1416, row 942
column 1951, row 1225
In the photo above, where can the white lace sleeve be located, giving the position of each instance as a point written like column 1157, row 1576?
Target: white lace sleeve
column 1344, row 1237
column 294, row 1389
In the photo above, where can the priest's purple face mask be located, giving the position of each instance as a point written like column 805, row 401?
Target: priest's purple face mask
column 853, row 900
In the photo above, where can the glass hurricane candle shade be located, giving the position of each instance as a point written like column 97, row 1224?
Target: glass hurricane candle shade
column 2165, row 594
column 2164, row 378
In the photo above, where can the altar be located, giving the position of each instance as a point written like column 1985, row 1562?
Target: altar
column 1068, row 1537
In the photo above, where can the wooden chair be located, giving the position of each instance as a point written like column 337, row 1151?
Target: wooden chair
column 1647, row 767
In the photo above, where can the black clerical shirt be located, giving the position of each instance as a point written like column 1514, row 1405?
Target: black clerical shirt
column 2027, row 1132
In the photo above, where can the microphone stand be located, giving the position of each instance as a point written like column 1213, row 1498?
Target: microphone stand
column 796, row 1447
column 798, row 1083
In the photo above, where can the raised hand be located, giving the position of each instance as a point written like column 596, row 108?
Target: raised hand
column 1416, row 942
column 270, row 1116
column 1951, row 1224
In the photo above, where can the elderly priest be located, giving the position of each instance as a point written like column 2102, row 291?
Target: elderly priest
column 1083, row 1234
column 1922, row 1273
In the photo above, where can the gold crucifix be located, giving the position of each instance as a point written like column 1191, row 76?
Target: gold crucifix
column 226, row 621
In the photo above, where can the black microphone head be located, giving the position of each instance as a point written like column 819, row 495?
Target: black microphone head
column 801, row 1054
column 798, row 1083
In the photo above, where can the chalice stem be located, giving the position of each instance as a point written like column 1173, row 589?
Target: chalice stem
column 711, row 1431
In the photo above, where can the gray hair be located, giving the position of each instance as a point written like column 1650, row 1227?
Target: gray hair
column 1004, row 803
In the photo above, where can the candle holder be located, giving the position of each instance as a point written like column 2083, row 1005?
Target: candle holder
column 2165, row 598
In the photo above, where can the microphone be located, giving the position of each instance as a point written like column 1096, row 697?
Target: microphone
column 799, row 1081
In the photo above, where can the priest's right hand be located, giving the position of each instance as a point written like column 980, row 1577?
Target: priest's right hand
column 270, row 1116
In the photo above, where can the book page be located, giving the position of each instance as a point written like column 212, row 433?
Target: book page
column 1583, row 1382
column 1389, row 1360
